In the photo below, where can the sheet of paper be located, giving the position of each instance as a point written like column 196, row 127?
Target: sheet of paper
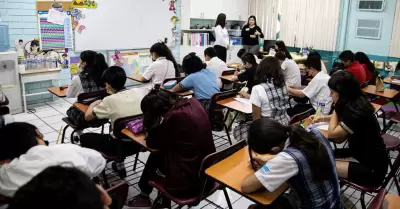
column 243, row 100
column 396, row 81
column 68, row 35
column 56, row 17
column 322, row 126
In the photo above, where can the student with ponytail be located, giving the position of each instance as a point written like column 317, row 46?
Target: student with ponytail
column 164, row 66
column 305, row 161
column 179, row 128
column 92, row 65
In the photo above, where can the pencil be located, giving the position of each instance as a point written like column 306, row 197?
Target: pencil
column 59, row 134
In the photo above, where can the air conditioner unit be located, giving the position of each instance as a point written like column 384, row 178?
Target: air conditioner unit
column 371, row 5
column 369, row 28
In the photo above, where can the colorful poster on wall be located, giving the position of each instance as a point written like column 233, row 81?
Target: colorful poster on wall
column 133, row 62
column 55, row 36
column 74, row 65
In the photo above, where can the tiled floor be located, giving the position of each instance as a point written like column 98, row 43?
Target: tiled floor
column 47, row 117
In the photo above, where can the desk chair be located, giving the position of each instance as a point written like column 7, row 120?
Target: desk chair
column 4, row 110
column 4, row 200
column 208, row 186
column 118, row 195
column 377, row 202
column 85, row 98
column 373, row 189
column 301, row 116
column 225, row 84
column 392, row 143
column 178, row 79
column 6, row 102
column 215, row 110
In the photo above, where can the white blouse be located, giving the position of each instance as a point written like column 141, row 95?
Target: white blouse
column 221, row 36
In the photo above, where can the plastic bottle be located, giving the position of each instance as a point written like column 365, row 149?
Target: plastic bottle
column 4, row 38
column 320, row 109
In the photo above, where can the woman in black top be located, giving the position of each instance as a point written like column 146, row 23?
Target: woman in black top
column 354, row 119
column 250, row 34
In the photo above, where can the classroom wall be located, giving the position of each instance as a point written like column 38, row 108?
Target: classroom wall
column 20, row 16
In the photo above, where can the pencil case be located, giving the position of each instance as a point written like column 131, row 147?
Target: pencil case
column 170, row 84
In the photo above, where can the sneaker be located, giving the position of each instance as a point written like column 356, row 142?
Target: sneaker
column 119, row 168
column 139, row 202
column 162, row 203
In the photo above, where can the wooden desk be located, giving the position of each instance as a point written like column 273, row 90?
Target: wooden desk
column 234, row 105
column 393, row 201
column 390, row 81
column 234, row 65
column 81, row 107
column 140, row 139
column 377, row 107
column 182, row 94
column 136, row 78
column 228, row 78
column 388, row 93
column 58, row 92
column 232, row 171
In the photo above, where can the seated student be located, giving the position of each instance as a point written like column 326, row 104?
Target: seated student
column 306, row 163
column 323, row 67
column 369, row 67
column 23, row 145
column 353, row 66
column 354, row 120
column 317, row 90
column 61, row 188
column 164, row 66
column 290, row 69
column 281, row 47
column 180, row 129
column 120, row 104
column 240, row 54
column 202, row 81
column 214, row 63
column 250, row 66
column 92, row 66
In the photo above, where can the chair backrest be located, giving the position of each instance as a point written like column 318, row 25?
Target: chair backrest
column 4, row 110
column 228, row 72
column 301, row 116
column 118, row 195
column 89, row 97
column 119, row 124
column 178, row 79
column 377, row 202
column 221, row 96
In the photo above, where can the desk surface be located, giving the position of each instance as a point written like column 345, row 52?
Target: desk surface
column 136, row 78
column 377, row 107
column 58, row 92
column 140, row 139
column 228, row 78
column 393, row 201
column 388, row 93
column 390, row 81
column 81, row 107
column 182, row 94
column 232, row 104
column 234, row 169
column 27, row 72
column 234, row 65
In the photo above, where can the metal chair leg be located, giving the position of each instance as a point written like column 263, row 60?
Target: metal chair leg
column 63, row 135
column 103, row 173
column 227, row 198
column 72, row 137
column 136, row 159
column 102, row 129
column 362, row 200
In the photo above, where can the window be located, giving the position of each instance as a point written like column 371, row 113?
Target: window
column 371, row 5
column 369, row 28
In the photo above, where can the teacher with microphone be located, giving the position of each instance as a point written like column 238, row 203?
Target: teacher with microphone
column 250, row 35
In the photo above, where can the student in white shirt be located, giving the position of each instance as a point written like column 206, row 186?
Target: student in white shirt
column 221, row 43
column 92, row 65
column 317, row 90
column 290, row 69
column 214, row 63
column 120, row 104
column 23, row 146
column 163, row 67
column 323, row 67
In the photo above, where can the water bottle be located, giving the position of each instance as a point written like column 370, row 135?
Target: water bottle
column 4, row 38
column 49, row 62
column 320, row 109
column 33, row 64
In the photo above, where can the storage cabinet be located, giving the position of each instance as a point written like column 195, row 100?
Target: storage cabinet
column 209, row 9
column 9, row 80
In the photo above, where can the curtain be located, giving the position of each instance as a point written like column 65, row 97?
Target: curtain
column 303, row 23
column 395, row 42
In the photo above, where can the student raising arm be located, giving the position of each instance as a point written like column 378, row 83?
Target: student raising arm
column 92, row 66
column 306, row 163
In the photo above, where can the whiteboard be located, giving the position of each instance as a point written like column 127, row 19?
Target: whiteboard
column 124, row 24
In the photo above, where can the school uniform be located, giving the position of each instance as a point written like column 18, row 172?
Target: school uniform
column 82, row 83
column 204, row 85
column 251, row 44
column 291, row 72
column 317, row 92
column 158, row 71
column 217, row 66
column 292, row 166
column 368, row 74
column 6, row 119
column 21, row 170
column 358, row 71
column 221, row 42
column 119, row 105
column 248, row 75
column 184, row 138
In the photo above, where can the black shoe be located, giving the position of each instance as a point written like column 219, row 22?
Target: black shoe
column 162, row 203
column 119, row 168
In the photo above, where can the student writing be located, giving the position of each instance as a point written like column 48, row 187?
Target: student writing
column 250, row 68
column 92, row 66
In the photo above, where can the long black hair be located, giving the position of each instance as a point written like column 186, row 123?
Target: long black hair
column 270, row 70
column 350, row 95
column 249, row 58
column 95, row 66
column 221, row 20
column 255, row 20
column 265, row 133
column 162, row 50
column 362, row 58
column 282, row 47
column 154, row 105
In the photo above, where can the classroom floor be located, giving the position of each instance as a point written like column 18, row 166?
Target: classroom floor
column 47, row 117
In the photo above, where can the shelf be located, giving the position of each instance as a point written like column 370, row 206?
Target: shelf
column 207, row 30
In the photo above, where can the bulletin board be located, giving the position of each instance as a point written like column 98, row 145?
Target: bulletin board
column 46, row 5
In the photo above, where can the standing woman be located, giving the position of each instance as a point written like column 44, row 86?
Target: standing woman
column 250, row 34
column 221, row 37
column 280, row 46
